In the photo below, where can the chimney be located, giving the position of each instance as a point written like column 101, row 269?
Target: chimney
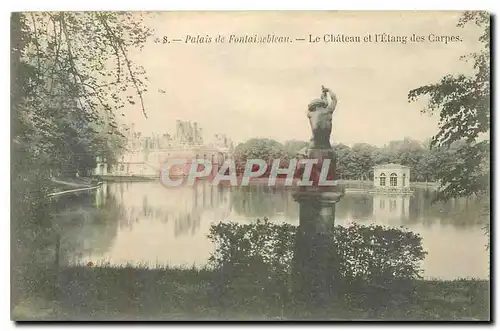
column 178, row 129
column 200, row 130
column 195, row 132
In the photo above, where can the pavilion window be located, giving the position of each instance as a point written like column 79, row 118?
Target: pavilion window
column 394, row 179
column 382, row 179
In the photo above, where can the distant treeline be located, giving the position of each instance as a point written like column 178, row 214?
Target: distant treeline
column 357, row 162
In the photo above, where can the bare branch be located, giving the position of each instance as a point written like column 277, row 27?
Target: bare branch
column 37, row 46
column 127, row 61
column 72, row 61
column 110, row 35
column 57, row 41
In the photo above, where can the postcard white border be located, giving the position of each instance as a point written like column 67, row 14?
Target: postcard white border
column 44, row 5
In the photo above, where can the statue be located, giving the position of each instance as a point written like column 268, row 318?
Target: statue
column 320, row 118
column 315, row 270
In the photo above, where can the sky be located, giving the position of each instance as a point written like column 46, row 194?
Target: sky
column 262, row 90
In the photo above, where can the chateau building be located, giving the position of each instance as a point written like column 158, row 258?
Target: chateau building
column 145, row 155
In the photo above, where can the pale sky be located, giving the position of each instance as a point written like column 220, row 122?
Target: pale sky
column 262, row 90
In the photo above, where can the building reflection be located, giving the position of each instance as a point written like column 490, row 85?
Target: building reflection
column 391, row 208
column 403, row 209
column 354, row 207
column 184, row 207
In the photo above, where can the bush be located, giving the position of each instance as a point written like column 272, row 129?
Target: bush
column 373, row 253
column 259, row 256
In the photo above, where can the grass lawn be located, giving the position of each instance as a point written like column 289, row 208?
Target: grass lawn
column 127, row 293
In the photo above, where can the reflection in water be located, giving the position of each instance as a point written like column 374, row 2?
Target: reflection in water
column 87, row 223
column 393, row 209
column 183, row 206
column 145, row 222
column 260, row 201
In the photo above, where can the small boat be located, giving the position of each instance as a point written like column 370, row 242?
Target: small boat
column 74, row 185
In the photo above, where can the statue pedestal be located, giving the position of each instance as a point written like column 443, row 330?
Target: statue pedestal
column 315, row 267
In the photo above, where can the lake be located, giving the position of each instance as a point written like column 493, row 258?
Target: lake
column 145, row 223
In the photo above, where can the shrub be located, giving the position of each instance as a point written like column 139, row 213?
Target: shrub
column 371, row 258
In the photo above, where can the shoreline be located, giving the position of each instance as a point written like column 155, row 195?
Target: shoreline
column 279, row 181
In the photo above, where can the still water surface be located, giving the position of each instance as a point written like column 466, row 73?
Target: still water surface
column 145, row 223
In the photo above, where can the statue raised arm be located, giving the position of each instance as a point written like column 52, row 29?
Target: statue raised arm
column 329, row 97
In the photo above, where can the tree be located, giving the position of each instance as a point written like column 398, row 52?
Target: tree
column 292, row 147
column 70, row 75
column 77, row 75
column 342, row 151
column 260, row 148
column 463, row 103
column 361, row 160
column 409, row 153
column 384, row 155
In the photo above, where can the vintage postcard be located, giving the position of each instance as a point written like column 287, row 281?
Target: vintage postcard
column 221, row 166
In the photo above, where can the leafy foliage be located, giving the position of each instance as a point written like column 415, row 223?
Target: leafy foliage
column 357, row 162
column 425, row 163
column 77, row 74
column 260, row 148
column 367, row 254
column 261, row 241
column 378, row 254
column 70, row 73
column 292, row 147
column 263, row 149
column 463, row 103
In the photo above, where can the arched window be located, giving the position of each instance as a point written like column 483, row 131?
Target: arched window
column 394, row 179
column 382, row 179
column 404, row 180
